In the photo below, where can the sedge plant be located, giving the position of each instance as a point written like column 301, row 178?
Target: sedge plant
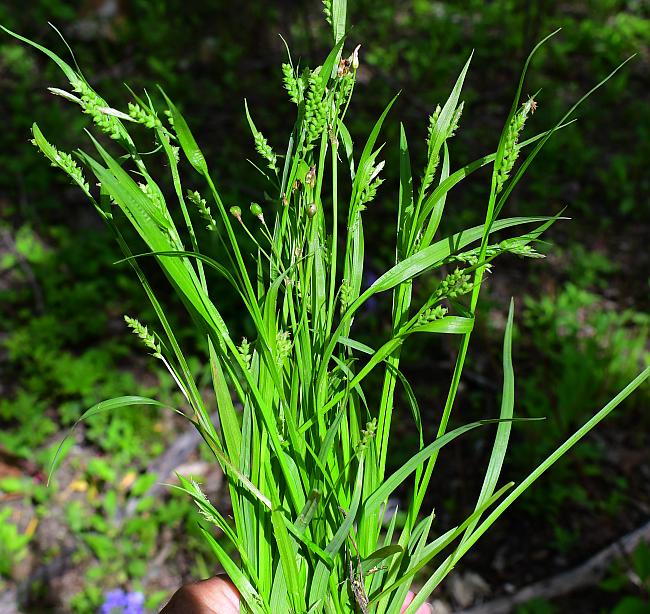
column 304, row 453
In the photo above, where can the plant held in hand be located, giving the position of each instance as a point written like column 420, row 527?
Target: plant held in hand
column 304, row 453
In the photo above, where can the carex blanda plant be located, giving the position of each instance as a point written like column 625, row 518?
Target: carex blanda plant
column 304, row 453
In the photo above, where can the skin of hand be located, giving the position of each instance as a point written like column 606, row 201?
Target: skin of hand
column 219, row 596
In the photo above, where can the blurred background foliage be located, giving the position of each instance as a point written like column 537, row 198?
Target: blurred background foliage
column 582, row 313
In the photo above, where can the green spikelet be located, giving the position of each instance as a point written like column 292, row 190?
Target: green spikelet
column 344, row 90
column 144, row 116
column 433, row 120
column 431, row 315
column 246, row 352
column 344, row 295
column 264, row 149
column 204, row 210
column 471, row 257
column 366, row 435
column 453, row 126
column 261, row 144
column 434, row 157
column 511, row 149
column 283, row 341
column 315, row 109
column 370, row 190
column 95, row 106
column 62, row 160
column 454, row 285
column 146, row 337
column 519, row 247
column 291, row 83
column 327, row 11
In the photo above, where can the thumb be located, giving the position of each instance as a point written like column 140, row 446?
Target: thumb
column 213, row 596
column 425, row 608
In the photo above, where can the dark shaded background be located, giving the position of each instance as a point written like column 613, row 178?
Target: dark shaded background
column 582, row 313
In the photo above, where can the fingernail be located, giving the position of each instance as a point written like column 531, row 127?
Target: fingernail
column 231, row 594
column 425, row 608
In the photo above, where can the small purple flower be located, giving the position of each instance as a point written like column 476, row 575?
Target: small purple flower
column 370, row 277
column 120, row 602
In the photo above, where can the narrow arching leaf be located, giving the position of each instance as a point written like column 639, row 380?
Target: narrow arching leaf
column 454, row 325
column 449, row 563
column 66, row 68
column 100, row 408
column 392, row 482
column 503, row 429
column 428, row 257
column 186, row 138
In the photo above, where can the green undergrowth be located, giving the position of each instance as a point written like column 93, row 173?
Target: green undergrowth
column 56, row 360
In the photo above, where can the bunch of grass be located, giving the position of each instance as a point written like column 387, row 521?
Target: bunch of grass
column 304, row 453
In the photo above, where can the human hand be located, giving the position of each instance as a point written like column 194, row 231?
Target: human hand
column 214, row 596
column 219, row 596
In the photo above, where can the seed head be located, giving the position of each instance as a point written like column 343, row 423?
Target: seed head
column 327, row 10
column 345, row 292
column 265, row 150
column 236, row 213
column 366, row 435
column 312, row 210
column 95, row 106
column 204, row 210
column 256, row 210
column 511, row 149
column 245, row 351
column 283, row 340
column 146, row 337
column 143, row 116
column 60, row 159
column 431, row 314
column 454, row 285
column 354, row 58
column 291, row 83
column 370, row 189
column 315, row 109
